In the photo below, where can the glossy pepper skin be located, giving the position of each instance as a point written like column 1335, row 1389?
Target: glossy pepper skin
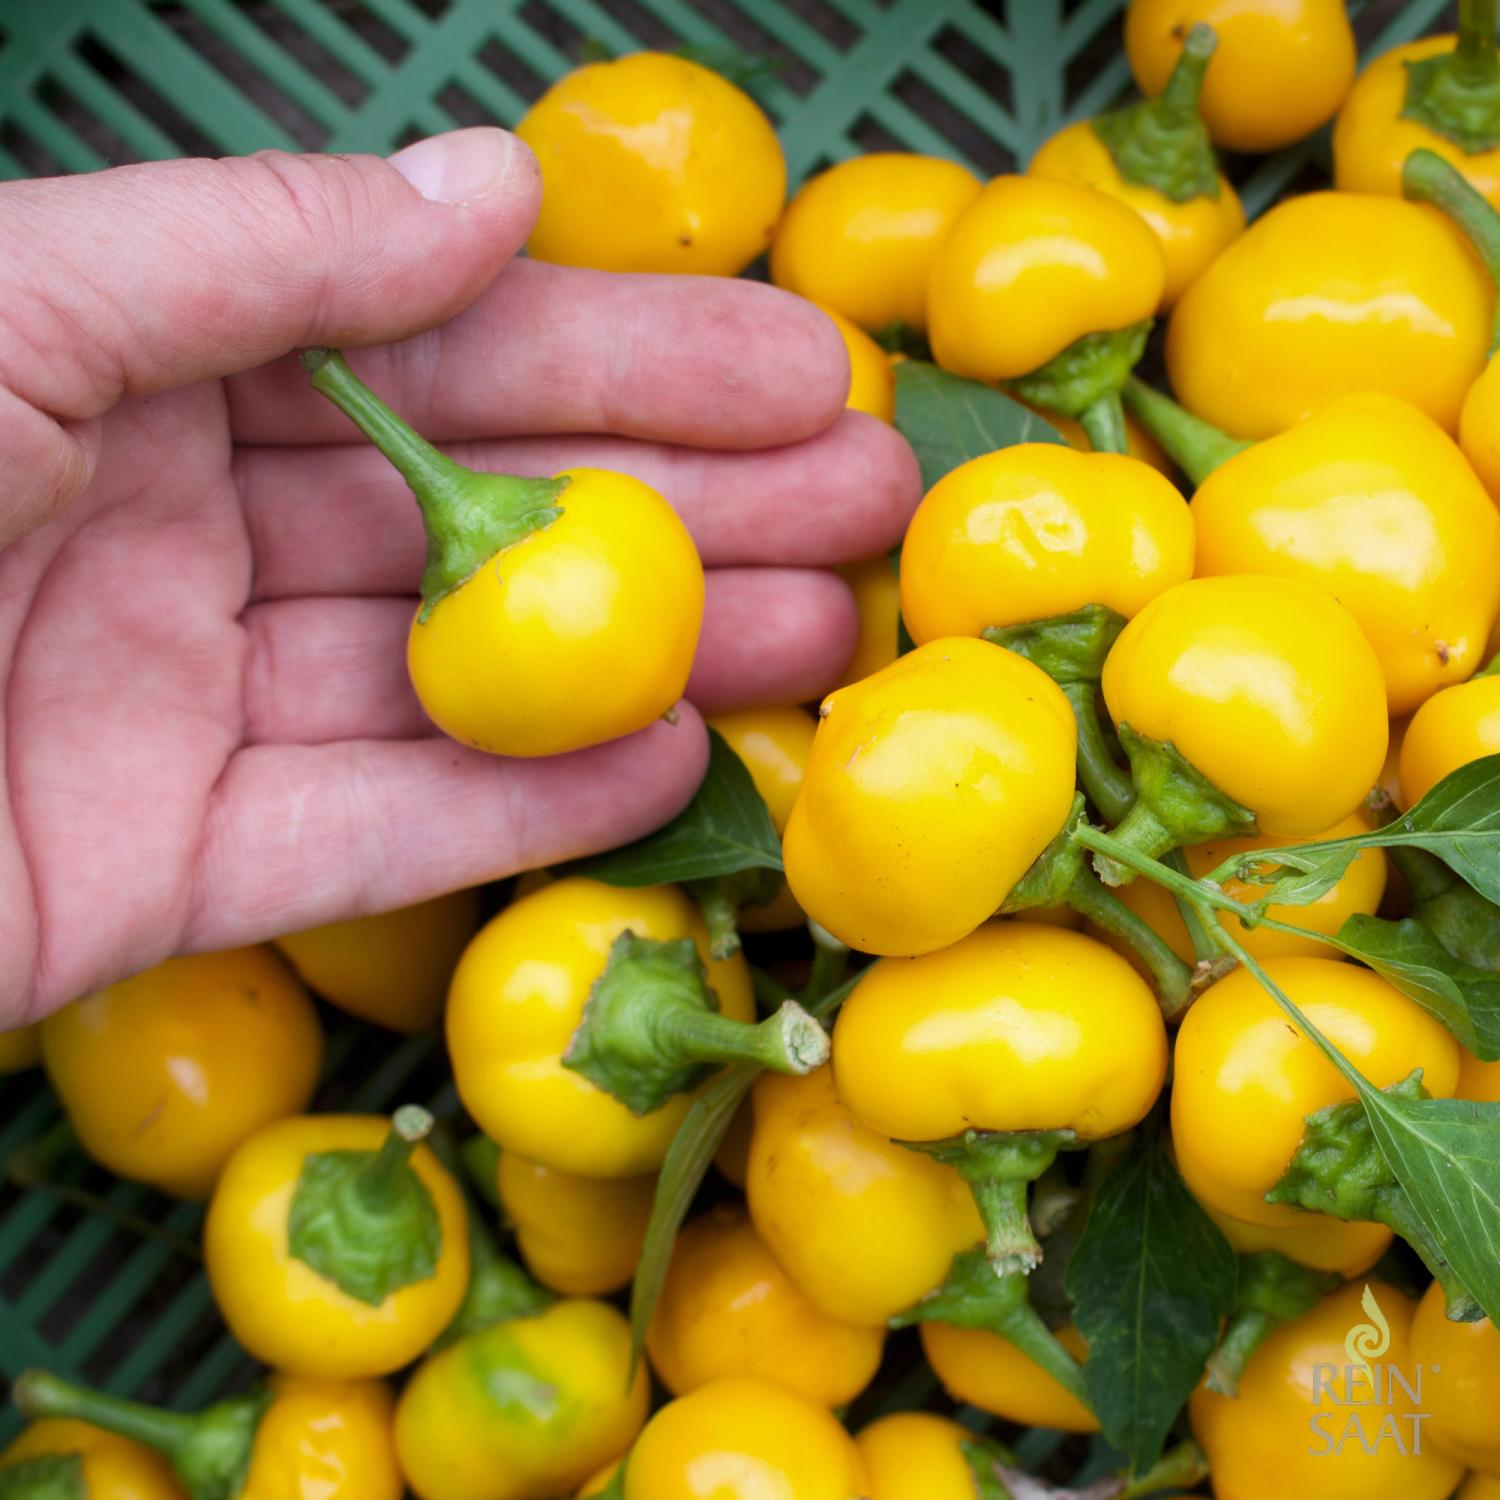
column 1031, row 266
column 285, row 1312
column 728, row 1308
column 1359, row 889
column 1266, row 686
column 1289, row 1431
column 931, row 788
column 20, row 1048
column 524, row 1410
column 1463, row 1361
column 1328, row 295
column 860, row 237
column 821, row 1182
column 653, row 163
column 1038, row 530
column 1020, row 1026
column 916, row 1455
column 518, row 995
column 1371, row 501
column 521, row 659
column 578, row 1235
column 1479, row 427
column 1452, row 728
column 872, row 384
column 744, row 1438
column 877, row 597
column 111, row 1467
column 1322, row 1242
column 164, row 1075
column 391, row 969
column 1477, row 1080
column 325, row 1440
column 1306, row 46
column 1245, row 1079
column 989, row 1372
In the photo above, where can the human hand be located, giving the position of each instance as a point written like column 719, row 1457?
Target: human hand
column 206, row 730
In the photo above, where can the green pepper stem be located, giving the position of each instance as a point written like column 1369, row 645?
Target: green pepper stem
column 1205, row 949
column 789, row 1041
column 721, row 914
column 830, row 962
column 1245, row 1332
column 1172, row 978
column 1106, row 782
column 1195, row 446
column 1104, row 423
column 40, row 1394
column 1177, row 104
column 1025, row 1329
column 1142, row 832
column 1182, row 1468
column 1010, row 1243
column 1427, row 178
column 383, row 1181
column 1474, row 56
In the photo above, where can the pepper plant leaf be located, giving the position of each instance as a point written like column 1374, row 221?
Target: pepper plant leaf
column 1152, row 1281
column 949, row 420
column 726, row 828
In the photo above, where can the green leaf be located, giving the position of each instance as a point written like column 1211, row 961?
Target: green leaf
column 50, row 1476
column 1465, row 999
column 724, row 829
column 755, row 72
column 949, row 420
column 1152, row 1281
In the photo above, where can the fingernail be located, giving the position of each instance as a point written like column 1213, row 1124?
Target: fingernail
column 461, row 166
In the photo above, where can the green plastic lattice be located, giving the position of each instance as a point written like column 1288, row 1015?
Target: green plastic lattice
column 89, row 83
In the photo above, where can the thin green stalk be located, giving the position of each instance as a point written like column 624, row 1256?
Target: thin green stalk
column 1428, row 178
column 1172, row 978
column 1104, row 423
column 1108, row 786
column 829, row 964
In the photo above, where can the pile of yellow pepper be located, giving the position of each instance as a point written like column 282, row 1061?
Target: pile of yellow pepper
column 1140, row 753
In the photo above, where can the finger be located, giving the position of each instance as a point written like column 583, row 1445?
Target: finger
column 302, row 835
column 701, row 360
column 341, row 521
column 319, row 671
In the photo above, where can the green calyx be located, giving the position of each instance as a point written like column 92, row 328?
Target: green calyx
column 1272, row 1290
column 1195, row 446
column 1427, row 178
column 998, row 1166
column 1457, row 94
column 210, row 1452
column 51, row 1476
column 1084, row 381
column 1175, row 805
column 1455, row 913
column 470, row 517
column 364, row 1220
column 652, row 1026
column 1339, row 1169
column 1163, row 143
column 499, row 1290
column 721, row 899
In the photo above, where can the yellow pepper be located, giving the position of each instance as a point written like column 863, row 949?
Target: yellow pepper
column 653, row 163
column 1317, row 1241
column 599, row 1483
column 557, row 613
column 20, row 1048
column 164, row 1075
column 744, row 1438
column 1328, row 295
column 1245, row 1079
column 1462, row 1362
column 337, row 1245
column 85, row 1462
column 517, row 1005
column 1155, row 157
column 915, row 1455
column 863, row 1226
column 1477, row 1080
column 877, row 597
column 296, row 1439
column 578, row 1235
column 728, row 1308
column 1452, row 728
column 1306, row 1426
column 931, row 788
column 1479, row 1487
column 872, row 381
column 1139, row 443
column 860, row 237
column 391, row 969
column 991, row 1373
column 1281, row 69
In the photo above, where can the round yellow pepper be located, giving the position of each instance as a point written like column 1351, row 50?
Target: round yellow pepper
column 525, row 1409
column 653, row 163
column 20, row 1048
column 1038, row 530
column 1479, row 427
column 332, row 1439
column 272, row 1272
column 1266, row 686
column 1319, row 1242
column 164, row 1075
column 1305, row 46
column 1477, row 1080
column 728, row 1308
column 863, row 1226
column 1306, row 1426
column 1452, row 728
column 1462, row 1362
column 744, row 1438
column 877, row 597
column 860, row 237
column 391, row 969
column 107, row 1467
column 1030, row 267
column 517, row 998
column 872, row 381
column 931, row 788
column 1479, row 1487
column 1245, row 1079
column 915, row 1455
column 1328, row 295
column 989, row 1372
column 578, row 1235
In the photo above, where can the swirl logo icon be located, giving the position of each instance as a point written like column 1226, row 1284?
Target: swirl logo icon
column 1368, row 1341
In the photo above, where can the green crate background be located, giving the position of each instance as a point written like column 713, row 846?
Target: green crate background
column 89, row 83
